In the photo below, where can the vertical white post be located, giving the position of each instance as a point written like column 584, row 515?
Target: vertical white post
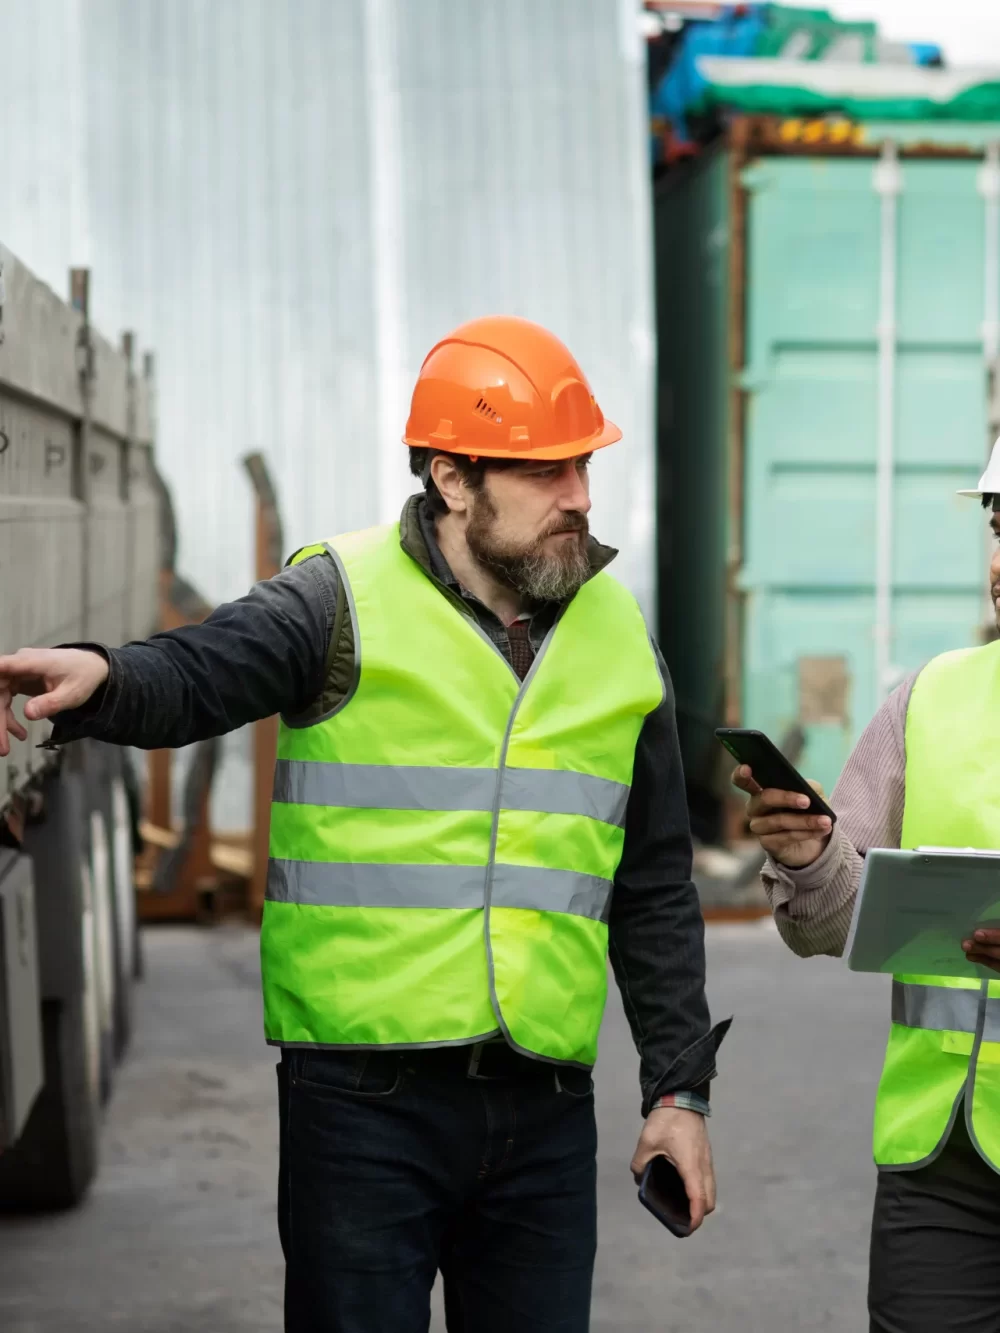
column 989, row 187
column 988, row 184
column 385, row 168
column 889, row 185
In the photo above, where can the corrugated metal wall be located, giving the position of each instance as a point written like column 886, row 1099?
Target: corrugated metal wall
column 291, row 200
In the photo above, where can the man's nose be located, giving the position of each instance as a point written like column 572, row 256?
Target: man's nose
column 576, row 496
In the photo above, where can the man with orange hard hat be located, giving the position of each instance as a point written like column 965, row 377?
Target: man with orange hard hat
column 478, row 795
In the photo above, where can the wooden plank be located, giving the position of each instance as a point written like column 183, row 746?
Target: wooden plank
column 235, row 861
column 159, row 837
column 158, row 800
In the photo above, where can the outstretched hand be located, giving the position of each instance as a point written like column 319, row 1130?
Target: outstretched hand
column 54, row 679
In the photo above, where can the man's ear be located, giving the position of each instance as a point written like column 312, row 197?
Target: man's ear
column 450, row 483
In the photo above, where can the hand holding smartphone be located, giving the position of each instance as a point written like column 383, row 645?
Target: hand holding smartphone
column 790, row 818
column 771, row 770
column 662, row 1192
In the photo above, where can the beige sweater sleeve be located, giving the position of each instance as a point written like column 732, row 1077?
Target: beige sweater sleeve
column 813, row 907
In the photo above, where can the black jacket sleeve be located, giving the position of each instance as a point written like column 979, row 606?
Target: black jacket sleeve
column 265, row 653
column 656, row 931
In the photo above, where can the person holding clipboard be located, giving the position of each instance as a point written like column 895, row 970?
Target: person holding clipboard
column 924, row 774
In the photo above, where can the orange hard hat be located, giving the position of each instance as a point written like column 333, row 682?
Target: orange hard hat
column 503, row 387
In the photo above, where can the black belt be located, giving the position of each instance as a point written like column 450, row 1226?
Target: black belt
column 488, row 1060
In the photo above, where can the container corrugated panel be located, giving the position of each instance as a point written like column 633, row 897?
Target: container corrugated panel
column 815, row 260
column 291, row 200
column 813, row 269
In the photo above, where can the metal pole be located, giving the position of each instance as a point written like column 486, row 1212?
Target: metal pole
column 889, row 185
column 386, row 203
column 988, row 184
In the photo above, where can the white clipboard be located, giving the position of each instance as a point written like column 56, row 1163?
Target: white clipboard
column 914, row 909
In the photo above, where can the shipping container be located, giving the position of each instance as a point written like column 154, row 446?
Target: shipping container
column 828, row 323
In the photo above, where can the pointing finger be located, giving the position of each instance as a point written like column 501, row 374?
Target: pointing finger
column 26, row 662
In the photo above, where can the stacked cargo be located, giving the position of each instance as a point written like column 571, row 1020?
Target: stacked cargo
column 829, row 329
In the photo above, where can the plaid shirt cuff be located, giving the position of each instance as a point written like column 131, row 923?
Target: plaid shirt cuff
column 683, row 1101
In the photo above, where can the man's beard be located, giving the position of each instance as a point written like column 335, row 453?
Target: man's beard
column 528, row 568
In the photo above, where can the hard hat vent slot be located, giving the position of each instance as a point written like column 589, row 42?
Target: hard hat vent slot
column 483, row 409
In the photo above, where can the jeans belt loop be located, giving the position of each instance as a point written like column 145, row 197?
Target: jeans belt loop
column 475, row 1055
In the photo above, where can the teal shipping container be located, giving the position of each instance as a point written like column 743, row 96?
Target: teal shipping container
column 829, row 327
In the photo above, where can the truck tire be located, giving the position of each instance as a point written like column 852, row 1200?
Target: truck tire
column 102, row 889
column 107, row 837
column 126, row 916
column 54, row 1160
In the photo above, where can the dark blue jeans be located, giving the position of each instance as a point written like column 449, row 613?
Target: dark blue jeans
column 473, row 1161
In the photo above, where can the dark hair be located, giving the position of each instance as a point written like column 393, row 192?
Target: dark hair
column 473, row 474
column 988, row 501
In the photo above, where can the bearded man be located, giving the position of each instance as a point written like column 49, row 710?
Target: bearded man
column 478, row 791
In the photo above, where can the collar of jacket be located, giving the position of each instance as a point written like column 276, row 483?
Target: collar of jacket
column 417, row 538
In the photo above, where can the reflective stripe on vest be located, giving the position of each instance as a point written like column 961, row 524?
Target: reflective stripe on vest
column 377, row 786
column 444, row 844
column 346, row 884
column 944, row 1045
column 944, row 1010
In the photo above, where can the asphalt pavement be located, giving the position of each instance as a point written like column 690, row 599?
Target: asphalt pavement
column 178, row 1235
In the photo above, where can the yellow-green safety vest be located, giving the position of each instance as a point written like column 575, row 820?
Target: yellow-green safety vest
column 444, row 842
column 945, row 1036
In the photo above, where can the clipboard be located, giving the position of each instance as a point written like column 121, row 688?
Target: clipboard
column 914, row 909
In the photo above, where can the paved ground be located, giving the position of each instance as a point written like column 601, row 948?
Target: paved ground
column 179, row 1236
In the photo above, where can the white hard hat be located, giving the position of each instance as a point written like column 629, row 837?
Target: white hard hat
column 989, row 482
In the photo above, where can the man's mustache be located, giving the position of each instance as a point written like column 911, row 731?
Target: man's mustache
column 571, row 523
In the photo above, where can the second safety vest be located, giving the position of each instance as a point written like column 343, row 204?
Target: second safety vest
column 945, row 1035
column 444, row 843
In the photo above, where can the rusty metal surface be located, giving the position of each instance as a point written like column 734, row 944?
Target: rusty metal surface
column 824, row 691
column 271, row 542
column 835, row 137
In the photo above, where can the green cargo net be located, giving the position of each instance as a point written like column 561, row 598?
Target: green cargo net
column 859, row 91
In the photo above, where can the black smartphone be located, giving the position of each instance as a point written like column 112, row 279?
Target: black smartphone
column 662, row 1192
column 770, row 767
